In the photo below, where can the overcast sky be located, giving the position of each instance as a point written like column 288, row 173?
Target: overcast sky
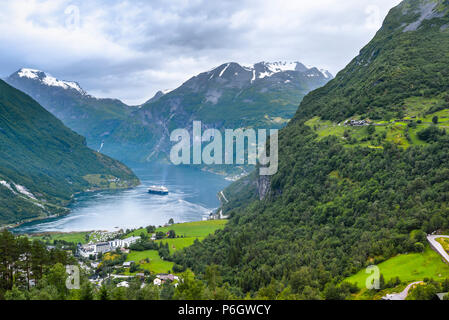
column 131, row 49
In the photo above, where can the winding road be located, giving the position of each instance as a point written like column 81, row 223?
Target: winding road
column 402, row 295
column 437, row 246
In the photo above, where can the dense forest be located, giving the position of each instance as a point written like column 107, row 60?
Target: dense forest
column 334, row 209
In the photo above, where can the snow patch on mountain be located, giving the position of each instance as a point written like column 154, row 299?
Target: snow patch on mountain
column 24, row 191
column 275, row 67
column 224, row 70
column 29, row 73
column 271, row 68
column 49, row 80
column 326, row 73
column 20, row 189
column 8, row 186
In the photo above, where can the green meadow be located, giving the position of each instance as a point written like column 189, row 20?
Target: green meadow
column 394, row 131
column 409, row 268
column 156, row 265
column 189, row 229
column 74, row 237
column 188, row 233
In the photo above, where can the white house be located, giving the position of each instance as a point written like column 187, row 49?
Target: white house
column 123, row 284
column 129, row 241
column 123, row 243
column 127, row 264
column 102, row 247
column 87, row 250
column 157, row 282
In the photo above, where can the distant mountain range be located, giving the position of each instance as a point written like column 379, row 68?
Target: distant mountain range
column 264, row 95
column 43, row 163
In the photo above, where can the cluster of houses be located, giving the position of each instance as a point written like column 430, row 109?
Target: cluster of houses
column 93, row 249
column 357, row 123
column 159, row 281
column 163, row 278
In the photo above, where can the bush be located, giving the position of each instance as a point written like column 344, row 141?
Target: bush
column 419, row 247
column 431, row 134
column 435, row 120
column 178, row 268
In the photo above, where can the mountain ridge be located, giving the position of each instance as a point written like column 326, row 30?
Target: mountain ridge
column 264, row 95
column 346, row 197
column 43, row 163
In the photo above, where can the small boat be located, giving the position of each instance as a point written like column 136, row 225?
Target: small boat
column 162, row 191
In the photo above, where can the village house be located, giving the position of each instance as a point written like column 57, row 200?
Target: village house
column 357, row 123
column 163, row 278
column 102, row 247
column 127, row 264
column 125, row 243
column 87, row 250
column 123, row 284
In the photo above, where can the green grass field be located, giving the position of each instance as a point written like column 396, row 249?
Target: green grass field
column 180, row 243
column 394, row 131
column 156, row 265
column 190, row 229
column 189, row 232
column 196, row 229
column 409, row 268
column 75, row 237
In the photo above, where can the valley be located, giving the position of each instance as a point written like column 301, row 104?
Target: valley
column 361, row 186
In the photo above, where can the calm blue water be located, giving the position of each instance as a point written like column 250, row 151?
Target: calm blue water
column 193, row 196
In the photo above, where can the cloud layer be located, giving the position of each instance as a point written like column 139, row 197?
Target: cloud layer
column 131, row 49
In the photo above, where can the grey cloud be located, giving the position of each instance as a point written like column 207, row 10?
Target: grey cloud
column 131, row 49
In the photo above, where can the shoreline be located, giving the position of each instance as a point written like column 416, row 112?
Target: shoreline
column 68, row 211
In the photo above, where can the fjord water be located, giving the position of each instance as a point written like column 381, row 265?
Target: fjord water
column 193, row 196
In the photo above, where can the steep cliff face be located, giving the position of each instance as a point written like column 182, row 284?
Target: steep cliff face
column 263, row 186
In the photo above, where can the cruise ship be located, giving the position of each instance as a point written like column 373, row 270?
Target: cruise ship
column 162, row 191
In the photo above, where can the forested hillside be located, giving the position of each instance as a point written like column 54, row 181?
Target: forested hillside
column 43, row 163
column 338, row 203
column 407, row 58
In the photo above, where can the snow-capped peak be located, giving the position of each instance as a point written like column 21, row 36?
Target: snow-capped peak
column 326, row 73
column 267, row 69
column 281, row 66
column 28, row 73
column 49, row 80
